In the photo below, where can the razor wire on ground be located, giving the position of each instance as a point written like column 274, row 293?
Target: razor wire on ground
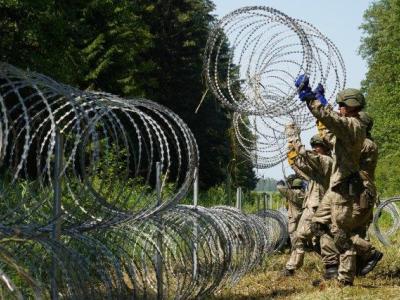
column 386, row 221
column 266, row 51
column 86, row 214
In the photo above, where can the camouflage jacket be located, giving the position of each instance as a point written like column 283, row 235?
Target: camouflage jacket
column 317, row 169
column 295, row 199
column 348, row 135
column 368, row 162
column 369, row 158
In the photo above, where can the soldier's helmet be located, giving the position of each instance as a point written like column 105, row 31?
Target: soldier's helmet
column 290, row 178
column 317, row 140
column 351, row 97
column 367, row 120
column 297, row 183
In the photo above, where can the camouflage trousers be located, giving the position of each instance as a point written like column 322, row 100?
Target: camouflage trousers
column 347, row 222
column 300, row 236
column 303, row 234
column 293, row 221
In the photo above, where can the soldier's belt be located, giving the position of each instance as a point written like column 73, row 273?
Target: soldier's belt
column 352, row 185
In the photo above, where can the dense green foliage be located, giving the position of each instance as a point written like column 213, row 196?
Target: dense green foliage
column 380, row 47
column 140, row 48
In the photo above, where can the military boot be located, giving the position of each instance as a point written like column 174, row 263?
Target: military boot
column 287, row 273
column 331, row 272
column 371, row 262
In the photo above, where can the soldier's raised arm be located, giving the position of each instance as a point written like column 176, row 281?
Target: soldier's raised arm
column 347, row 128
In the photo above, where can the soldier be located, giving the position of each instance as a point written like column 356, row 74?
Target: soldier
column 336, row 207
column 363, row 209
column 316, row 166
column 367, row 257
column 294, row 195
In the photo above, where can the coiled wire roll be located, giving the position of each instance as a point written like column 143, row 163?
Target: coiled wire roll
column 386, row 221
column 252, row 58
column 115, row 236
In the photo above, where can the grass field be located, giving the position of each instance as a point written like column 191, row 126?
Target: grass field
column 267, row 283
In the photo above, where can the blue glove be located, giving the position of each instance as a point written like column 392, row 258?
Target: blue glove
column 320, row 94
column 304, row 185
column 302, row 84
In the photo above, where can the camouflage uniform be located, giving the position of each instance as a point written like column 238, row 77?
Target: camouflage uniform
column 295, row 199
column 362, row 208
column 317, row 169
column 336, row 208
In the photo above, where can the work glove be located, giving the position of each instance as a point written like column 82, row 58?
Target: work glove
column 302, row 84
column 320, row 94
column 304, row 185
column 321, row 128
column 292, row 132
column 292, row 154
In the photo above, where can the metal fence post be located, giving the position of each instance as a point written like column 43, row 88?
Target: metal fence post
column 196, row 186
column 239, row 198
column 159, row 263
column 56, row 230
column 265, row 202
column 195, row 229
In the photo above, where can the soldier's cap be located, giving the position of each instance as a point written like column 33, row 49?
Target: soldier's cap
column 351, row 97
column 297, row 183
column 317, row 140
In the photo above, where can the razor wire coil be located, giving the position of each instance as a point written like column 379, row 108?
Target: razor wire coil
column 386, row 220
column 113, row 235
column 252, row 58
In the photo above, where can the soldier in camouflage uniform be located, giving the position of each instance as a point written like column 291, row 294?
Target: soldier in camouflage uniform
column 294, row 195
column 348, row 135
column 369, row 160
column 315, row 166
column 368, row 257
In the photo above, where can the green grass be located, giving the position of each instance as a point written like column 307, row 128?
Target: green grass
column 267, row 283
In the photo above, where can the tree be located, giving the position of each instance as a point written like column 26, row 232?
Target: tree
column 180, row 29
column 90, row 44
column 380, row 48
column 140, row 48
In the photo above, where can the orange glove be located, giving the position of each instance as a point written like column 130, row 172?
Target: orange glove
column 321, row 129
column 291, row 155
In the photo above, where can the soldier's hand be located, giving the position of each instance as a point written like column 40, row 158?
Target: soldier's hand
column 320, row 94
column 321, row 129
column 302, row 84
column 291, row 156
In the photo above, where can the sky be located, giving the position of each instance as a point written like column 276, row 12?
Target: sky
column 339, row 20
